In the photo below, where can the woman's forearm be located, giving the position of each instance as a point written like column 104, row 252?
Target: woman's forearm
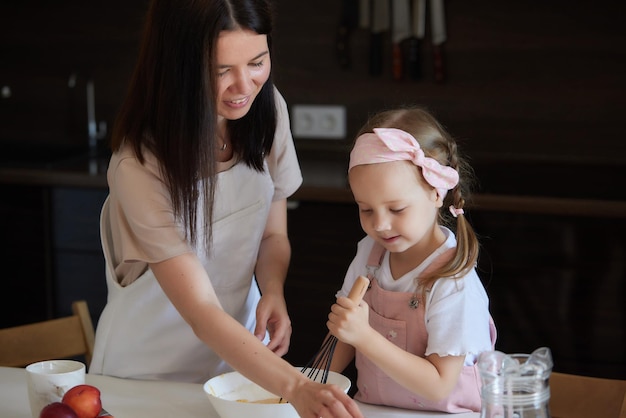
column 274, row 251
column 246, row 353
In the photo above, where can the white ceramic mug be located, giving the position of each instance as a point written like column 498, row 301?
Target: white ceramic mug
column 49, row 380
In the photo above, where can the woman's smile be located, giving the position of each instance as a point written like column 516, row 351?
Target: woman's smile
column 238, row 103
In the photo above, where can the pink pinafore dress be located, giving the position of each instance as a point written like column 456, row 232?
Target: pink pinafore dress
column 399, row 316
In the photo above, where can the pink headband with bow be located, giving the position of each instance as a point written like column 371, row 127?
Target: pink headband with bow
column 390, row 144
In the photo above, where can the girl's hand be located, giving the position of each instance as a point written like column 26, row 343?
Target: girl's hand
column 271, row 315
column 348, row 321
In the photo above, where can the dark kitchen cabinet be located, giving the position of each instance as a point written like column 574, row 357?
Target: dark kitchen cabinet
column 78, row 262
column 51, row 254
column 25, row 278
column 557, row 281
column 323, row 241
column 552, row 280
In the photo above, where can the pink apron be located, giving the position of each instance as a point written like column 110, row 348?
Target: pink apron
column 402, row 323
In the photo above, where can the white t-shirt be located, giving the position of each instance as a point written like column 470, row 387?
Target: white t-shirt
column 456, row 310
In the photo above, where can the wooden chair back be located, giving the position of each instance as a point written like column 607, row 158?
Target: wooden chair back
column 67, row 337
column 573, row 396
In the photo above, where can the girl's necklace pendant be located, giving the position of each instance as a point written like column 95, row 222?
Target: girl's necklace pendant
column 414, row 302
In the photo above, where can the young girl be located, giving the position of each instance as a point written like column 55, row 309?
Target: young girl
column 426, row 317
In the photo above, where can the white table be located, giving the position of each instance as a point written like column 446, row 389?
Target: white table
column 125, row 398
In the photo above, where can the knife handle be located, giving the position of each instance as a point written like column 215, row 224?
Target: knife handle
column 347, row 22
column 414, row 64
column 376, row 53
column 342, row 46
column 439, row 64
column 396, row 63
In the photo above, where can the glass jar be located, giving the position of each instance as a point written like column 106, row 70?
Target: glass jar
column 515, row 385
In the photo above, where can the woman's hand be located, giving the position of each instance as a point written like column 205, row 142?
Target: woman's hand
column 315, row 400
column 348, row 321
column 271, row 315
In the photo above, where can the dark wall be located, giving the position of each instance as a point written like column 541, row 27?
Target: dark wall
column 43, row 43
column 526, row 80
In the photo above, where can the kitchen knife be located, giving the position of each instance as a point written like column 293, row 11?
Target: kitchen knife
column 401, row 32
column 415, row 42
column 438, row 26
column 347, row 23
column 380, row 24
column 364, row 14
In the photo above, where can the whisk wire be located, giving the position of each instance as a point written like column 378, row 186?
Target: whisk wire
column 320, row 362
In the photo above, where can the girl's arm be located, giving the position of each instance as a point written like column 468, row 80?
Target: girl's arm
column 270, row 272
column 185, row 282
column 433, row 377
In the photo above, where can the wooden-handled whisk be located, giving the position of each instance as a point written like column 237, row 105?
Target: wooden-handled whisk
column 320, row 362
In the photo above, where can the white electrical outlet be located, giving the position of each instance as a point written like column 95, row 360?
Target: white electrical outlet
column 318, row 121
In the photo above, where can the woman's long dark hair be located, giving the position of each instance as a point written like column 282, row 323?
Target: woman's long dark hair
column 170, row 107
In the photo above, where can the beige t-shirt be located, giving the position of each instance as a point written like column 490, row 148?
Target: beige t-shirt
column 143, row 227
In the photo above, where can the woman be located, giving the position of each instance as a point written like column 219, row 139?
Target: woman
column 195, row 222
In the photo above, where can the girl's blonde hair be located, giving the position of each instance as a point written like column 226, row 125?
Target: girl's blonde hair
column 438, row 144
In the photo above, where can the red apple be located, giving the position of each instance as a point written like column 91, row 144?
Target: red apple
column 57, row 410
column 84, row 400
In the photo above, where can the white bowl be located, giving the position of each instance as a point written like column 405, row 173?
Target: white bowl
column 234, row 396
